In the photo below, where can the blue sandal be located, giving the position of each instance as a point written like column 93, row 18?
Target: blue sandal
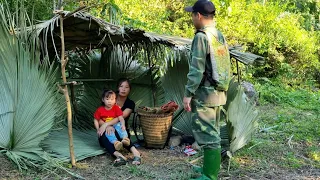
column 136, row 160
column 119, row 162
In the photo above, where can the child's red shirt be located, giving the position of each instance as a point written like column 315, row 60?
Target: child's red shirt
column 107, row 115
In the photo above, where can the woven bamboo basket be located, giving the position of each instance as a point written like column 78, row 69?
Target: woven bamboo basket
column 155, row 128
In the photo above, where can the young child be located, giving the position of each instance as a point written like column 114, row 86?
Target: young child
column 107, row 112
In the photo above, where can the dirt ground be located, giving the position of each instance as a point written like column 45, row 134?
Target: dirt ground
column 157, row 164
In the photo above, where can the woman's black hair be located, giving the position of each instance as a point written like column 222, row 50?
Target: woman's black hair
column 107, row 93
column 121, row 80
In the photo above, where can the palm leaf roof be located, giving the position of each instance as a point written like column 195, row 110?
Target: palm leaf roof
column 83, row 30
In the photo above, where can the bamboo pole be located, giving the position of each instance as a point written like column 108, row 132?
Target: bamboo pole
column 64, row 62
column 195, row 160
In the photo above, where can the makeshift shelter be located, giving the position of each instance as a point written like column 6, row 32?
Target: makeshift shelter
column 157, row 65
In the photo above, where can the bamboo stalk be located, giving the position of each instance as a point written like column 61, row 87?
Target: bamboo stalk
column 64, row 62
column 196, row 160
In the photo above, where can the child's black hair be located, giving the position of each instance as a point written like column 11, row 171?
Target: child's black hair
column 107, row 93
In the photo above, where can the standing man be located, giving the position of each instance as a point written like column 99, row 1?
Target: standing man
column 208, row 80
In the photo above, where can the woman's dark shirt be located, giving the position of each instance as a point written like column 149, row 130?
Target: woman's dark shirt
column 128, row 104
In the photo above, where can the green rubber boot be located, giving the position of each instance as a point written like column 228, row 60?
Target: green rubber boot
column 211, row 164
column 198, row 169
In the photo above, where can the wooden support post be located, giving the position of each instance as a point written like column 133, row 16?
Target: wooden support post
column 64, row 62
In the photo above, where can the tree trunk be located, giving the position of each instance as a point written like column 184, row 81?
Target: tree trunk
column 66, row 93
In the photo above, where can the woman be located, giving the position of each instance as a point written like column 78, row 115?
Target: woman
column 127, row 107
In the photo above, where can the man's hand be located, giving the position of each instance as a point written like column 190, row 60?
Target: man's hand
column 186, row 103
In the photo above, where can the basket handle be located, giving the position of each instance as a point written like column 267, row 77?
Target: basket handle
column 135, row 125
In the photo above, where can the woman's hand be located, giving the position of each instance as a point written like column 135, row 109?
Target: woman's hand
column 109, row 130
column 186, row 103
column 101, row 130
column 123, row 127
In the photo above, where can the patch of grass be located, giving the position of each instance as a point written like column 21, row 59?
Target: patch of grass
column 291, row 160
column 288, row 133
column 288, row 121
column 277, row 92
column 143, row 172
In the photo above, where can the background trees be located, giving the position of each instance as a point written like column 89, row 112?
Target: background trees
column 286, row 32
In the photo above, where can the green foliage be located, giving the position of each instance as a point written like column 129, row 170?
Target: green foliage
column 29, row 101
column 167, row 17
column 104, row 9
column 310, row 11
column 270, row 31
column 40, row 9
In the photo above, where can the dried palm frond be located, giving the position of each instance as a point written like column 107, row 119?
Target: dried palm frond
column 242, row 120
